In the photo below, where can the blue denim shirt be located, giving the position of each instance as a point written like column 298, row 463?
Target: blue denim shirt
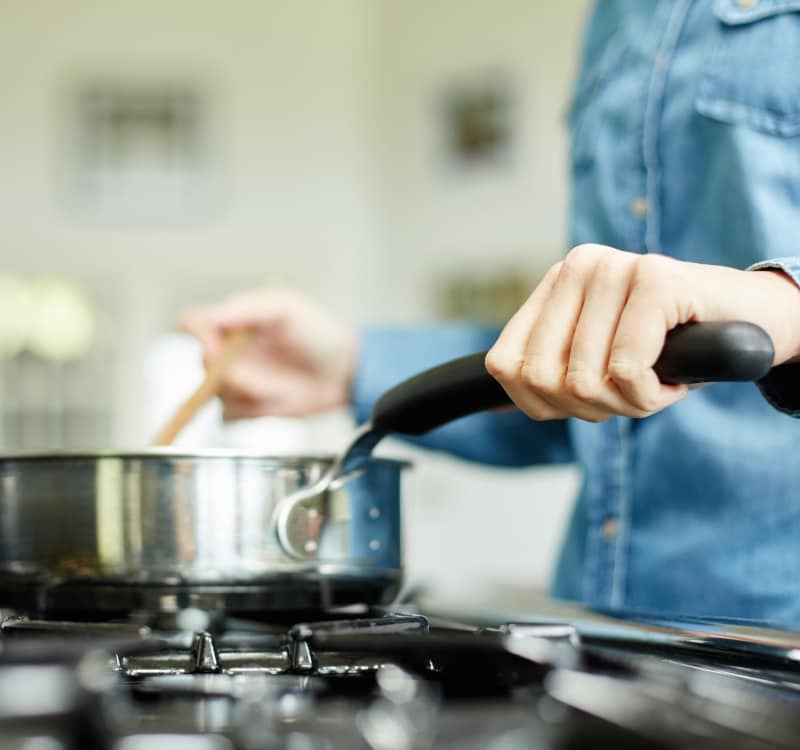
column 685, row 141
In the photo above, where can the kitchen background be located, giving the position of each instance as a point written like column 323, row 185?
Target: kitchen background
column 400, row 160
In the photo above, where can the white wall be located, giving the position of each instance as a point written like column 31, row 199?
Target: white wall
column 332, row 181
column 438, row 219
column 291, row 78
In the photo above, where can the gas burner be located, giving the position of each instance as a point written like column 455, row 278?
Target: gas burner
column 291, row 654
column 385, row 681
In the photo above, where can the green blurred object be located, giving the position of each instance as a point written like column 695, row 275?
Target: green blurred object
column 490, row 299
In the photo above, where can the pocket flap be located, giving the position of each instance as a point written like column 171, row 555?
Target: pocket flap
column 751, row 75
column 737, row 12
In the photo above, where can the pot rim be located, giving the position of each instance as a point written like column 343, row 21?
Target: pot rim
column 160, row 453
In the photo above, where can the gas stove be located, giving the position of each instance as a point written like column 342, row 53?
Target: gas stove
column 392, row 679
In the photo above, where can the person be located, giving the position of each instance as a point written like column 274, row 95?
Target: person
column 685, row 206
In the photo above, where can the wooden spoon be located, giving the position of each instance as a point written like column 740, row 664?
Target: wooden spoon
column 206, row 390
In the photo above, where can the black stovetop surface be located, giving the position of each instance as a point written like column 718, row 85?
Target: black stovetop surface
column 393, row 679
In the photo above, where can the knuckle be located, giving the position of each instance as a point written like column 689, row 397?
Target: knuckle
column 500, row 366
column 643, row 404
column 554, row 270
column 608, row 269
column 596, row 418
column 584, row 250
column 492, row 363
column 648, row 404
column 530, row 374
column 539, row 375
column 541, row 412
column 581, row 257
column 651, row 269
column 623, row 370
column 632, row 376
column 582, row 385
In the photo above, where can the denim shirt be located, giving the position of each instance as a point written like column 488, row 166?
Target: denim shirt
column 685, row 141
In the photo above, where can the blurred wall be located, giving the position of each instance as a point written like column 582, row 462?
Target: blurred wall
column 331, row 180
column 440, row 219
column 290, row 79
column 292, row 82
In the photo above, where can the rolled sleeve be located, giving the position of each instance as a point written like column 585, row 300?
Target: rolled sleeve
column 781, row 386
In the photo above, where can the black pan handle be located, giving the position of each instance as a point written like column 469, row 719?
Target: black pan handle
column 693, row 353
column 715, row 353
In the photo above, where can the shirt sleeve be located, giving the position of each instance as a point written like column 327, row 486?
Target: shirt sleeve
column 781, row 386
column 391, row 354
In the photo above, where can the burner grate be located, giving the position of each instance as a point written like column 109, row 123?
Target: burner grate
column 352, row 681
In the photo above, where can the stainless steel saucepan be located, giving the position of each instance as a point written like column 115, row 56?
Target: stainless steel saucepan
column 164, row 530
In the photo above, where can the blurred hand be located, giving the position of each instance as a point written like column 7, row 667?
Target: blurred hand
column 298, row 360
column 585, row 342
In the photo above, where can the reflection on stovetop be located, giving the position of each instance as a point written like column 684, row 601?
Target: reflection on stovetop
column 385, row 680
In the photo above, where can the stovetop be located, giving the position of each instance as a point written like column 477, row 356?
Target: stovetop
column 392, row 680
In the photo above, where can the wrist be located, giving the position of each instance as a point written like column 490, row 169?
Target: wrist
column 784, row 300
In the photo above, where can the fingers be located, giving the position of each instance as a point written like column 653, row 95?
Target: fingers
column 254, row 386
column 585, row 342
column 514, row 337
column 587, row 379
column 246, row 382
column 547, row 354
column 507, row 357
column 261, row 309
column 276, row 393
column 235, row 409
column 655, row 306
column 531, row 356
column 298, row 359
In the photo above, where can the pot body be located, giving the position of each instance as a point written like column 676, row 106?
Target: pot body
column 166, row 523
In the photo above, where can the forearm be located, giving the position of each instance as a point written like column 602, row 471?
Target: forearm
column 781, row 386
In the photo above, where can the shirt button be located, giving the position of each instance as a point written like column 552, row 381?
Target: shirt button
column 610, row 528
column 639, row 207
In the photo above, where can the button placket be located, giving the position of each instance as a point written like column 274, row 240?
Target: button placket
column 610, row 529
column 639, row 207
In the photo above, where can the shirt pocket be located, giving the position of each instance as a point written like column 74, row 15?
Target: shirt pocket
column 752, row 77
